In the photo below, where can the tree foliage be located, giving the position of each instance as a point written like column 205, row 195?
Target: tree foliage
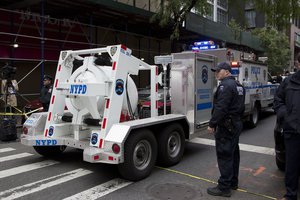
column 278, row 15
column 236, row 29
column 175, row 11
column 279, row 12
column 276, row 46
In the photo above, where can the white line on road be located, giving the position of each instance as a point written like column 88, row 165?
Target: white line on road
column 30, row 188
column 6, row 150
column 26, row 168
column 16, row 156
column 100, row 190
column 243, row 147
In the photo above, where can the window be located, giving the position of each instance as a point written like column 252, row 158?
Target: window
column 246, row 74
column 210, row 14
column 222, row 16
column 223, row 4
column 249, row 5
column 250, row 16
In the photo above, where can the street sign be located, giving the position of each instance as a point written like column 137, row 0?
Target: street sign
column 163, row 60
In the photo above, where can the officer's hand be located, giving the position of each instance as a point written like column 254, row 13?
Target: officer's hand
column 210, row 130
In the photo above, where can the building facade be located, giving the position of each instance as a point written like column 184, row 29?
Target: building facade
column 34, row 32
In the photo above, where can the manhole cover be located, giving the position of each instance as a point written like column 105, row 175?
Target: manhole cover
column 172, row 191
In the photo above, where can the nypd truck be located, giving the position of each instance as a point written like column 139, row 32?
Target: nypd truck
column 253, row 76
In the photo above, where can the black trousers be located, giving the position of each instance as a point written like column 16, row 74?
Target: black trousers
column 228, row 154
column 292, row 154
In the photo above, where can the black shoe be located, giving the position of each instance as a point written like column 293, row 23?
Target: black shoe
column 216, row 191
column 235, row 187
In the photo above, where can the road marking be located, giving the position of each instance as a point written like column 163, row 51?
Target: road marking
column 6, row 150
column 259, row 170
column 210, row 181
column 26, row 168
column 16, row 156
column 243, row 147
column 30, row 188
column 100, row 190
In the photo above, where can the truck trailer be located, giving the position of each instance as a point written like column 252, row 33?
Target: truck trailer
column 101, row 118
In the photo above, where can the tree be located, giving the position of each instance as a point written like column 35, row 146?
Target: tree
column 175, row 11
column 278, row 12
column 236, row 29
column 276, row 46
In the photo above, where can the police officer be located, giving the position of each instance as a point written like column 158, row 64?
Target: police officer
column 228, row 108
column 46, row 92
column 287, row 107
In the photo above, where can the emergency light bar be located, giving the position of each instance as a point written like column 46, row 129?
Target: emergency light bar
column 235, row 64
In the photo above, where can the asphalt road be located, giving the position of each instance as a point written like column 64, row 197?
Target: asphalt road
column 26, row 175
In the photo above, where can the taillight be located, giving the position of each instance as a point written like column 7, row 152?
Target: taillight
column 116, row 148
column 25, row 130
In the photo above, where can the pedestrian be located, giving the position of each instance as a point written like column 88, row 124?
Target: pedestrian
column 287, row 108
column 46, row 92
column 226, row 123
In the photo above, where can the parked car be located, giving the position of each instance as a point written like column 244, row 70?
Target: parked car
column 279, row 146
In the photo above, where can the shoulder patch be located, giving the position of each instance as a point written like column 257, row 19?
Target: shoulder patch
column 221, row 88
column 240, row 90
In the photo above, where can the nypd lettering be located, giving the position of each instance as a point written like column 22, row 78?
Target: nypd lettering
column 45, row 142
column 78, row 89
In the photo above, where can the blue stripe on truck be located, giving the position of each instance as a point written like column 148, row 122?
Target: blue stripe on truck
column 203, row 106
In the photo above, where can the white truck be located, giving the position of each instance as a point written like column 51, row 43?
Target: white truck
column 254, row 77
column 101, row 101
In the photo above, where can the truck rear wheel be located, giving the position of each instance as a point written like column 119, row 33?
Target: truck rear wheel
column 49, row 151
column 140, row 154
column 171, row 143
column 254, row 117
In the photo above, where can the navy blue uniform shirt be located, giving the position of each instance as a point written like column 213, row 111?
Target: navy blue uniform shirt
column 229, row 99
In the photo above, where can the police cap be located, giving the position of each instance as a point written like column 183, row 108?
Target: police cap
column 222, row 65
column 48, row 77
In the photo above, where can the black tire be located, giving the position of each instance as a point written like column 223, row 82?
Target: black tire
column 254, row 117
column 140, row 152
column 171, row 144
column 280, row 164
column 49, row 151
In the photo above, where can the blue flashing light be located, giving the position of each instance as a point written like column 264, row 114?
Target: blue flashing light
column 204, row 43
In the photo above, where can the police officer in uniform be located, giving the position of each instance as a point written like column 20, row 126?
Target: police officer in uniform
column 226, row 123
column 287, row 107
column 46, row 92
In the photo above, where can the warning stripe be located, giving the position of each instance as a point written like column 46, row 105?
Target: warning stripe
column 53, row 97
column 114, row 66
column 101, row 143
column 49, row 116
column 107, row 103
column 104, row 123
